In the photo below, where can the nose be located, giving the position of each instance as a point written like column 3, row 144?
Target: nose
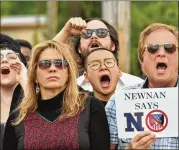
column 4, row 59
column 103, row 67
column 161, row 52
column 94, row 35
column 52, row 68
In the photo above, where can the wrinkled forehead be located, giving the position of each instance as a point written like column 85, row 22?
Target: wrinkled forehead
column 99, row 55
column 161, row 36
column 95, row 24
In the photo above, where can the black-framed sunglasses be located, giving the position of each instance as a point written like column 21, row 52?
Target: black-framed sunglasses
column 101, row 33
column 96, row 64
column 169, row 48
column 11, row 56
column 58, row 63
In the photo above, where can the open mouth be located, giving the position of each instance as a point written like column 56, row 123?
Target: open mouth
column 5, row 70
column 161, row 66
column 94, row 44
column 105, row 81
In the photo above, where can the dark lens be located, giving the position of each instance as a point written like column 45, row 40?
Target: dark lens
column 102, row 33
column 152, row 48
column 170, row 48
column 44, row 64
column 88, row 34
column 60, row 63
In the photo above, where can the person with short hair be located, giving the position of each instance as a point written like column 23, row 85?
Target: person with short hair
column 102, row 71
column 158, row 56
column 88, row 35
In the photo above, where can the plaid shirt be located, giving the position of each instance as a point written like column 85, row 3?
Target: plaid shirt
column 160, row 143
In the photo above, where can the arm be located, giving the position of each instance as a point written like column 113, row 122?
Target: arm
column 111, row 117
column 98, row 127
column 74, row 26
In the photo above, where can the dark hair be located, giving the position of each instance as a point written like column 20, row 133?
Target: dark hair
column 24, row 43
column 101, row 49
column 7, row 42
column 113, row 34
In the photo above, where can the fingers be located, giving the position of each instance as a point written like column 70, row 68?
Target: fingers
column 16, row 66
column 143, row 140
column 147, row 140
column 78, row 23
column 141, row 135
column 148, row 144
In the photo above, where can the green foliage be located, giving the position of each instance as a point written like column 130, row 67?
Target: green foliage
column 84, row 9
column 145, row 13
column 22, row 7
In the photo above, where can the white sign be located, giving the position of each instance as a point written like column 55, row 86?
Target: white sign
column 154, row 109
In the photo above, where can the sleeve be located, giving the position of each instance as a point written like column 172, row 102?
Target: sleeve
column 10, row 139
column 98, row 127
column 111, row 117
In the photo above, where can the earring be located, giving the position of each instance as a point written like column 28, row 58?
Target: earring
column 37, row 88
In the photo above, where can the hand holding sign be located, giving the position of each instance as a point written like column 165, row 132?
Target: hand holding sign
column 142, row 140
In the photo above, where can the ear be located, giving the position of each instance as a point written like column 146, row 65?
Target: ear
column 36, row 81
column 120, row 72
column 79, row 50
column 113, row 46
column 142, row 67
column 86, row 76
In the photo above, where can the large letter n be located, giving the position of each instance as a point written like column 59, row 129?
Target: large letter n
column 130, row 120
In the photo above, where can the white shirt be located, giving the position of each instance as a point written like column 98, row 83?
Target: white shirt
column 124, row 80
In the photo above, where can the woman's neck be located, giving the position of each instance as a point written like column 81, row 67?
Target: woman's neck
column 48, row 94
column 6, row 95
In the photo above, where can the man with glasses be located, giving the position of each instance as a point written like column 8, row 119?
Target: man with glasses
column 88, row 35
column 102, row 71
column 158, row 56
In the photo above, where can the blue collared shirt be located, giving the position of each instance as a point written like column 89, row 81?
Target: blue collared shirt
column 160, row 143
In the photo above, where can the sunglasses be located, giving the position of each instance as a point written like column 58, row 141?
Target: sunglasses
column 101, row 33
column 58, row 63
column 169, row 48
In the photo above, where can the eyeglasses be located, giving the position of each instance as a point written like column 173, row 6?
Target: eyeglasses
column 58, row 63
column 169, row 48
column 10, row 56
column 101, row 33
column 96, row 64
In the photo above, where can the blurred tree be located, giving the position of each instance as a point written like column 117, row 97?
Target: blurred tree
column 145, row 13
column 22, row 7
column 142, row 14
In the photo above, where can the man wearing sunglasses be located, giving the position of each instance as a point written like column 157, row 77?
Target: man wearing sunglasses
column 88, row 35
column 158, row 56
